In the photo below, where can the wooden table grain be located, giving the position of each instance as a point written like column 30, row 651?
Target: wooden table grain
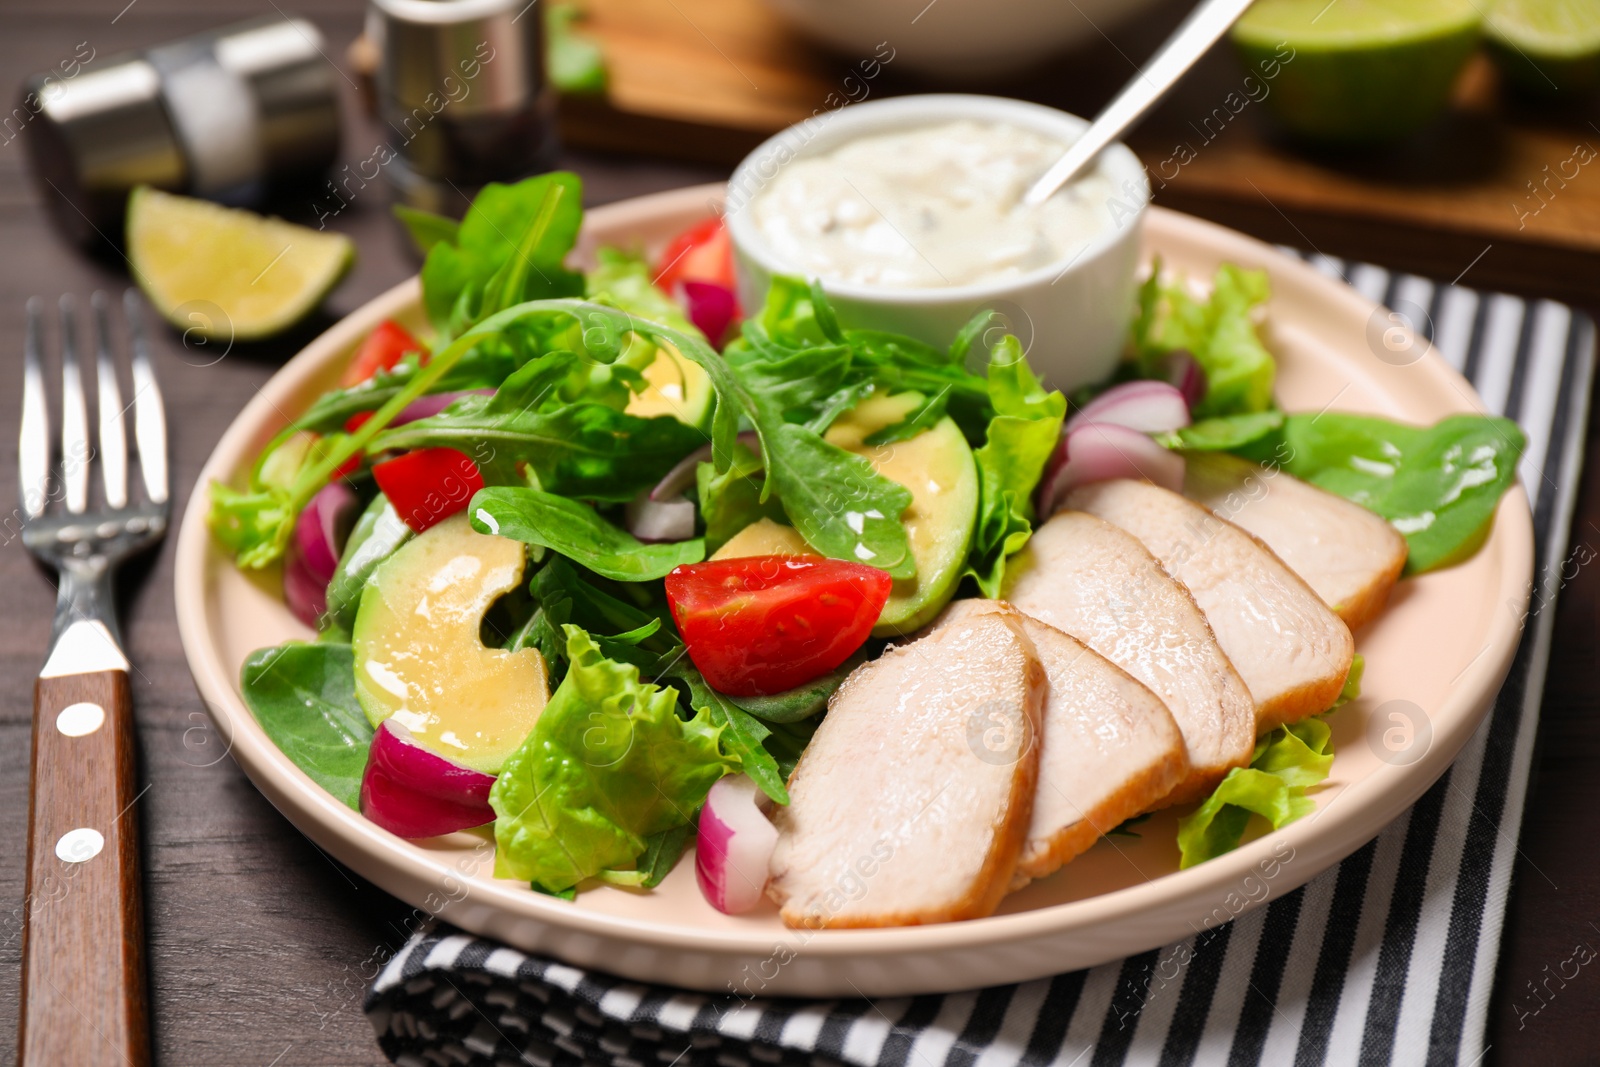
column 260, row 946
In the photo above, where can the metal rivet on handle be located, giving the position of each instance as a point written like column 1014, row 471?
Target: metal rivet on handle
column 79, row 719
column 80, row 845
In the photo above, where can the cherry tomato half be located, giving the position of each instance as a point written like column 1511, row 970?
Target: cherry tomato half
column 429, row 485
column 380, row 351
column 702, row 253
column 763, row 624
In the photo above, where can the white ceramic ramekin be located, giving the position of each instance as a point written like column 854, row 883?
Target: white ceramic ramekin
column 1072, row 316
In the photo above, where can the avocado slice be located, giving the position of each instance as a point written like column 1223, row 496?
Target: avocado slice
column 765, row 538
column 938, row 468
column 674, row 385
column 418, row 655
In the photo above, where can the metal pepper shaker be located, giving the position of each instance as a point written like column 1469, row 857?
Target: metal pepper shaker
column 461, row 85
column 228, row 115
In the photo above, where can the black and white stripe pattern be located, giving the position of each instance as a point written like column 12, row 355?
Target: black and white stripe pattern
column 1387, row 958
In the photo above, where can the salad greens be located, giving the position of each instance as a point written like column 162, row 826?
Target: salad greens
column 1286, row 763
column 304, row 697
column 1020, row 438
column 577, row 532
column 543, row 363
column 609, row 763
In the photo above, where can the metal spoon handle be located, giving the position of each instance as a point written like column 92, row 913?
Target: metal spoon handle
column 1204, row 26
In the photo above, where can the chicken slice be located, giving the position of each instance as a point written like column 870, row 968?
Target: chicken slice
column 1109, row 747
column 1291, row 650
column 1097, row 583
column 1346, row 554
column 912, row 801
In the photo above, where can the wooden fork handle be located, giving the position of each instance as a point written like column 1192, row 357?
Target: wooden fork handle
column 83, row 969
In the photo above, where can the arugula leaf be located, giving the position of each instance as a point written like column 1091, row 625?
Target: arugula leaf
column 585, row 450
column 1021, row 436
column 801, row 702
column 1438, row 485
column 788, row 740
column 1218, row 330
column 731, row 500
column 426, row 228
column 508, row 249
column 742, row 732
column 609, row 764
column 1286, row 762
column 577, row 532
column 304, row 697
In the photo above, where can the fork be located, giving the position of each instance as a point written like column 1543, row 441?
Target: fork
column 83, row 970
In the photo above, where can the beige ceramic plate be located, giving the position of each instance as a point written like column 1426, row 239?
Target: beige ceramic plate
column 1443, row 646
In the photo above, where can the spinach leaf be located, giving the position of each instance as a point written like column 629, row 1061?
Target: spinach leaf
column 1020, row 438
column 304, row 697
column 801, row 702
column 609, row 764
column 575, row 530
column 1438, row 485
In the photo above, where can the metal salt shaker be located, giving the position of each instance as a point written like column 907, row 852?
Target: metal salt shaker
column 229, row 115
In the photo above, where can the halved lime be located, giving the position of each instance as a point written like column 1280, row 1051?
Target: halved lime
column 1356, row 70
column 228, row 274
column 1547, row 46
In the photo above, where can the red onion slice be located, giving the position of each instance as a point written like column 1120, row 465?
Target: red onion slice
column 1102, row 453
column 1146, row 406
column 680, row 479
column 734, row 846
column 314, row 548
column 711, row 307
column 413, row 792
column 1186, row 374
column 660, row 520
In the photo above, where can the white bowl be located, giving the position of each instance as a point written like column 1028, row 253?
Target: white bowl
column 962, row 38
column 1071, row 316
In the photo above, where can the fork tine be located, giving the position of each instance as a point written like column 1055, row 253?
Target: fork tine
column 75, row 454
column 113, row 436
column 149, row 417
column 33, row 445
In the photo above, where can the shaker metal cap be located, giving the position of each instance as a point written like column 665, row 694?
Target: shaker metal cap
column 224, row 115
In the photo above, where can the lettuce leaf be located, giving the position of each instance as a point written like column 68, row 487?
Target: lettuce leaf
column 1020, row 438
column 1438, row 485
column 1286, row 763
column 608, row 765
column 1219, row 331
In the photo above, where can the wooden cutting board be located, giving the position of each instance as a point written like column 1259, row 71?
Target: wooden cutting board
column 1496, row 194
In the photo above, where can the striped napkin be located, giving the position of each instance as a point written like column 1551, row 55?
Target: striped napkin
column 1386, row 958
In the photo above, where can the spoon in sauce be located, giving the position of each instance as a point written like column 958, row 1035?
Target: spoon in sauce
column 1204, row 26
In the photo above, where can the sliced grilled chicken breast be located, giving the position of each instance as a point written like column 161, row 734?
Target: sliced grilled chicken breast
column 1109, row 747
column 1290, row 648
column 912, row 801
column 1097, row 583
column 1346, row 554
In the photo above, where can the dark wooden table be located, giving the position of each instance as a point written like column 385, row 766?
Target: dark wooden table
column 260, row 945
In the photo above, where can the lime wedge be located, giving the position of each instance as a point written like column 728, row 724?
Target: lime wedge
column 1356, row 70
column 228, row 274
column 1547, row 47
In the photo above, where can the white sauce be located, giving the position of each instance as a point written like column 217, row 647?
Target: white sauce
column 929, row 208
